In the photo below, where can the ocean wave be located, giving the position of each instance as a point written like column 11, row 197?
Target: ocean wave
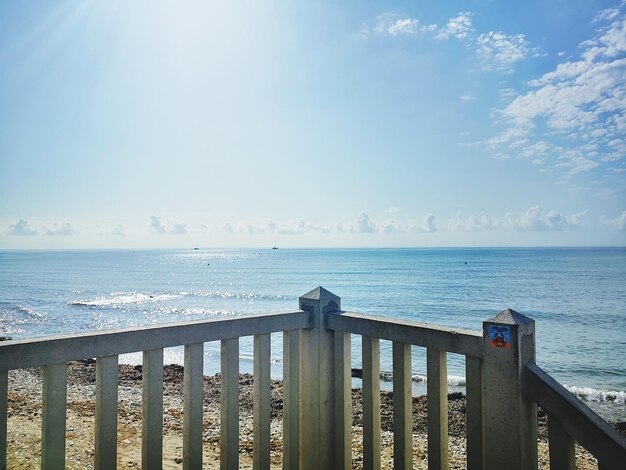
column 453, row 380
column 30, row 312
column 245, row 296
column 126, row 298
column 123, row 299
column 596, row 395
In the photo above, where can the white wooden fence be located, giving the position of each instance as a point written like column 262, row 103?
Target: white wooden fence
column 503, row 387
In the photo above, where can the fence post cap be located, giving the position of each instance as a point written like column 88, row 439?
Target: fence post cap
column 320, row 294
column 510, row 317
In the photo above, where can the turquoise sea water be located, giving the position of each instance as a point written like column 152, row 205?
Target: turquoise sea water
column 577, row 297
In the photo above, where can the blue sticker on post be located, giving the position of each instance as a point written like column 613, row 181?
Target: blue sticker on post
column 500, row 337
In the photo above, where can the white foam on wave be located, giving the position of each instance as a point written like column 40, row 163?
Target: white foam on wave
column 244, row 296
column 123, row 299
column 596, row 395
column 30, row 311
column 207, row 311
column 453, row 380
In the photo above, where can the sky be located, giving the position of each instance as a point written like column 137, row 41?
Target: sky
column 312, row 124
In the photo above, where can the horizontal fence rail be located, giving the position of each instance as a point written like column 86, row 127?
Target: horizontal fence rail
column 575, row 419
column 21, row 354
column 454, row 340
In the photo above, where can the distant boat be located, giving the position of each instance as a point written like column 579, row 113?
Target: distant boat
column 274, row 248
column 196, row 248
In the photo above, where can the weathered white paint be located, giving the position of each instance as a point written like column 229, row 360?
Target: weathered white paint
column 152, row 410
column 510, row 419
column 35, row 352
column 291, row 400
column 371, row 403
column 53, row 417
column 437, row 396
column 402, row 407
column 581, row 423
column 316, row 382
column 562, row 456
column 455, row 340
column 261, row 403
column 106, row 412
column 192, row 406
column 229, row 423
column 474, row 413
column 343, row 401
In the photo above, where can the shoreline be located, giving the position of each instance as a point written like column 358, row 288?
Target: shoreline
column 24, row 423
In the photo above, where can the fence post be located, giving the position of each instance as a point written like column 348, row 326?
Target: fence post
column 510, row 419
column 318, row 433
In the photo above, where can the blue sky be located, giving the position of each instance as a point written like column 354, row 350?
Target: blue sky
column 306, row 124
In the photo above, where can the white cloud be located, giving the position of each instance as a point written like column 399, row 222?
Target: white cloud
column 577, row 164
column 499, row 51
column 618, row 222
column 426, row 226
column 467, row 98
column 118, row 231
column 507, row 94
column 390, row 23
column 538, row 149
column 392, row 210
column 473, row 223
column 607, row 14
column 21, row 228
column 406, row 26
column 459, row 27
column 179, row 229
column 227, row 227
column 155, row 224
column 581, row 104
column 59, row 229
column 533, row 219
column 159, row 227
column 363, row 224
column 496, row 49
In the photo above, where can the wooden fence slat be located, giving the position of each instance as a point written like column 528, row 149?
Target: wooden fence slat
column 53, row 416
column 474, row 413
column 437, row 397
column 371, row 403
column 402, row 407
column 192, row 406
column 291, row 400
column 261, row 402
column 106, row 412
column 152, row 410
column 229, row 423
column 4, row 390
column 343, row 400
column 562, row 456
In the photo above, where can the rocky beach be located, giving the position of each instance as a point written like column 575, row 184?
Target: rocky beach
column 24, row 422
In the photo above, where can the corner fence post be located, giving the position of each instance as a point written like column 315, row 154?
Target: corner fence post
column 317, row 391
column 510, row 419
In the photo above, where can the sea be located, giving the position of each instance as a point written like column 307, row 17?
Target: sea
column 577, row 297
